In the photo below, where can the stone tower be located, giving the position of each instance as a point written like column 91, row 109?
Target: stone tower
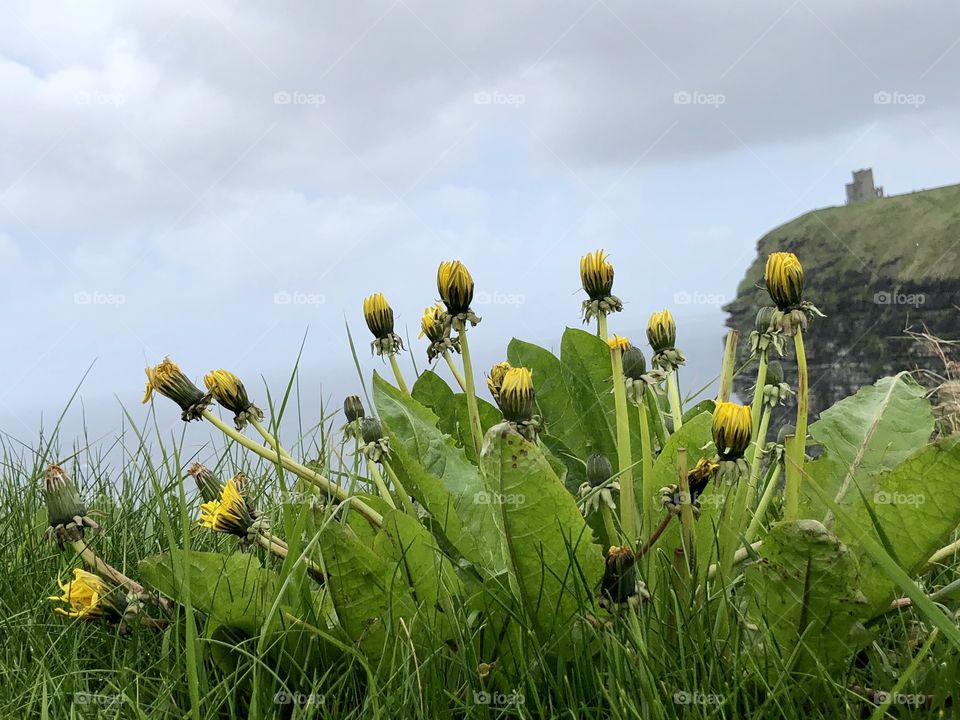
column 862, row 188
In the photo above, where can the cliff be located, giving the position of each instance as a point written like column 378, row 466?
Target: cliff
column 875, row 269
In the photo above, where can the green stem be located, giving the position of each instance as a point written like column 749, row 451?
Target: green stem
column 405, row 500
column 612, row 537
column 803, row 400
column 760, row 439
column 791, row 489
column 401, row 383
column 646, row 448
column 687, row 519
column 271, row 440
column 768, row 492
column 628, row 498
column 673, row 391
column 471, row 392
column 756, row 408
column 297, row 469
column 276, row 546
column 453, row 368
column 602, row 327
column 653, row 412
column 728, row 366
column 103, row 569
column 381, row 485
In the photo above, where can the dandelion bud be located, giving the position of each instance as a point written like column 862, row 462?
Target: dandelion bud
column 517, row 397
column 431, row 324
column 90, row 598
column 619, row 585
column 732, row 426
column 662, row 331
column 634, row 364
column 495, row 378
column 784, row 277
column 229, row 513
column 596, row 275
column 379, row 315
column 64, row 505
column 774, row 373
column 353, row 408
column 229, row 391
column 618, row 342
column 700, row 476
column 764, row 319
column 168, row 380
column 371, row 430
column 599, row 469
column 455, row 285
column 207, row 483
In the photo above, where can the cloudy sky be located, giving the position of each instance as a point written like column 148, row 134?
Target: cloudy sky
column 214, row 180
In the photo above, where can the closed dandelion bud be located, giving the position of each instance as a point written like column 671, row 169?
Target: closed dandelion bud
column 168, row 380
column 700, row 476
column 634, row 364
column 596, row 275
column 379, row 318
column 208, row 484
column 229, row 513
column 64, row 505
column 662, row 331
column 764, row 319
column 784, row 277
column 495, row 378
column 88, row 597
column 371, row 430
column 228, row 390
column 431, row 324
column 517, row 397
column 353, row 408
column 455, row 285
column 618, row 342
column 619, row 585
column 599, row 469
column 731, row 430
column 774, row 373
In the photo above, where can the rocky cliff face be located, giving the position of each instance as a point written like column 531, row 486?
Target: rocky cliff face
column 875, row 269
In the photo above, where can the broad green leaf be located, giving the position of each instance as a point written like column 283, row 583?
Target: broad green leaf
column 439, row 475
column 233, row 589
column 428, row 570
column 489, row 416
column 370, row 593
column 803, row 591
column 917, row 504
column 554, row 564
column 430, row 390
column 554, row 401
column 585, row 369
column 874, row 430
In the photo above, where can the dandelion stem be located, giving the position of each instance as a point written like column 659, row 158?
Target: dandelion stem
column 757, row 407
column 276, row 546
column 401, row 383
column 803, row 399
column 628, row 498
column 471, row 392
column 687, row 519
column 768, row 493
column 673, row 391
column 453, row 369
column 266, row 435
column 602, row 326
column 401, row 491
column 608, row 524
column 760, row 439
column 104, row 569
column 646, row 466
column 381, row 485
column 791, row 489
column 728, row 366
column 653, row 412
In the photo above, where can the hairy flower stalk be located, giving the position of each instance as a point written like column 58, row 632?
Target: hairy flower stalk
column 774, row 393
column 455, row 285
column 596, row 277
column 379, row 318
column 168, row 380
column 628, row 498
column 433, row 327
column 662, row 335
column 777, row 453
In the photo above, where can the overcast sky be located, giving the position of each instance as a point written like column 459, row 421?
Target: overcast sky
column 212, row 180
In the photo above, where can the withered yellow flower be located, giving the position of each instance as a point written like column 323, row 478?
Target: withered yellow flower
column 168, row 380
column 229, row 513
column 618, row 342
column 517, row 397
column 732, row 424
column 596, row 275
column 229, row 391
column 495, row 378
column 455, row 285
column 88, row 597
column 662, row 331
column 378, row 315
column 784, row 277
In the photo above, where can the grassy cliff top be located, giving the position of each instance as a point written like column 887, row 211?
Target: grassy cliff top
column 899, row 240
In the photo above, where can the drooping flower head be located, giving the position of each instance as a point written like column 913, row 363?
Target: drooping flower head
column 228, row 390
column 168, row 380
column 88, row 597
column 596, row 277
column 229, row 513
column 517, row 396
column 495, row 379
column 732, row 424
column 378, row 315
